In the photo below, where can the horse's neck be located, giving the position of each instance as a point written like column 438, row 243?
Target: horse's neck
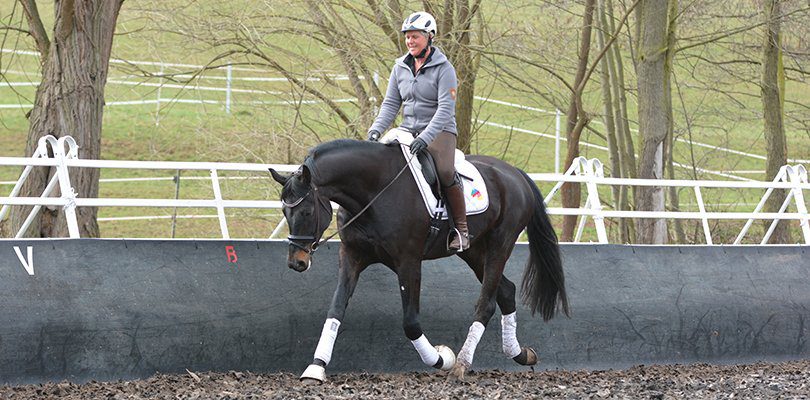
column 351, row 180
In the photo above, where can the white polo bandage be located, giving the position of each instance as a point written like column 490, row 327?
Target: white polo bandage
column 327, row 341
column 511, row 347
column 465, row 356
column 428, row 353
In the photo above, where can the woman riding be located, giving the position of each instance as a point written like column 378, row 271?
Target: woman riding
column 425, row 82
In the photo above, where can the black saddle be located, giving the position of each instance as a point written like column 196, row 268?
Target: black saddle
column 429, row 171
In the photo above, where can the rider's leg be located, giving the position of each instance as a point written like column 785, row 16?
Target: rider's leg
column 443, row 150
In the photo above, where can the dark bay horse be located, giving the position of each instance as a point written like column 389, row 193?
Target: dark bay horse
column 388, row 224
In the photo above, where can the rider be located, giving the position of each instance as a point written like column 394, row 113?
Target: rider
column 425, row 82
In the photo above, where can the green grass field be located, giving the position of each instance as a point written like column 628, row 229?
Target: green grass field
column 276, row 133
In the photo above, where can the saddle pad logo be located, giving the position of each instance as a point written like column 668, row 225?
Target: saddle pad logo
column 476, row 194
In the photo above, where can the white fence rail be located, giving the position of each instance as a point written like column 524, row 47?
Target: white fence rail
column 65, row 156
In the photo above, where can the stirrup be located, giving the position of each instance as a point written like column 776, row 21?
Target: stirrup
column 460, row 241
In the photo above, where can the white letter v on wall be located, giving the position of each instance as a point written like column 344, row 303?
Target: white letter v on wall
column 27, row 264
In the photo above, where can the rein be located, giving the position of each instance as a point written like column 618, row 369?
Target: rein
column 317, row 243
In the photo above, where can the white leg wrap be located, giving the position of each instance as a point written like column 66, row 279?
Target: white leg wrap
column 511, row 347
column 465, row 356
column 327, row 341
column 426, row 351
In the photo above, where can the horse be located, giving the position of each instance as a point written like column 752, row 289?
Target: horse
column 382, row 219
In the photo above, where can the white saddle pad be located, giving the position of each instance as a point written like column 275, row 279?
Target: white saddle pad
column 475, row 190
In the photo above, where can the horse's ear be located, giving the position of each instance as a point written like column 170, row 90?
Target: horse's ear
column 282, row 179
column 306, row 176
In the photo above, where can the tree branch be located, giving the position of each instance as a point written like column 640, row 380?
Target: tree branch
column 735, row 31
column 532, row 63
column 609, row 43
column 37, row 28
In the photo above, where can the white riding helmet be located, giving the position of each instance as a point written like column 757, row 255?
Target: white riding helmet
column 420, row 21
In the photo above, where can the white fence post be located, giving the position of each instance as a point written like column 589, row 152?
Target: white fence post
column 68, row 194
column 706, row 231
column 41, row 151
column 35, row 210
column 798, row 177
column 281, row 224
column 758, row 208
column 223, row 224
column 592, row 168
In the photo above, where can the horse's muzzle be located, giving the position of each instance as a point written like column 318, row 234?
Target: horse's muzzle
column 298, row 260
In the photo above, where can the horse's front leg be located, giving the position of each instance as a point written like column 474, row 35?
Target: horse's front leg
column 410, row 280
column 348, row 274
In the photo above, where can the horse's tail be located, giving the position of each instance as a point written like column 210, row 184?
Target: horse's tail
column 543, row 285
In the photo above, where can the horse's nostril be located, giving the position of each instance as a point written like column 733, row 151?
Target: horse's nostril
column 298, row 265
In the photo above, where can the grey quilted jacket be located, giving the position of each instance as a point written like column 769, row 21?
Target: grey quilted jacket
column 428, row 99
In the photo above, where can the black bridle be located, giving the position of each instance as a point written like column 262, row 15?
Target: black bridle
column 313, row 240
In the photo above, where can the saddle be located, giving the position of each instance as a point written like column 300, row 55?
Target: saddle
column 423, row 170
column 430, row 173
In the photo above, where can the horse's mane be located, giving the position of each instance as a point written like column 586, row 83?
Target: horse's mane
column 338, row 144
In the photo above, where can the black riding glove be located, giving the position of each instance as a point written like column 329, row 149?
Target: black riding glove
column 418, row 145
column 373, row 135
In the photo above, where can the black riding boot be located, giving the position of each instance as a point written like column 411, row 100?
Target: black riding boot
column 455, row 199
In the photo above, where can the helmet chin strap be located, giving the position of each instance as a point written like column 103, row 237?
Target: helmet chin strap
column 423, row 53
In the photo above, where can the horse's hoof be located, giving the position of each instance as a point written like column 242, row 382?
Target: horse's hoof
column 310, row 382
column 314, row 374
column 448, row 357
column 526, row 357
column 457, row 373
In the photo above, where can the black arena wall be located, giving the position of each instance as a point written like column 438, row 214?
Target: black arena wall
column 118, row 309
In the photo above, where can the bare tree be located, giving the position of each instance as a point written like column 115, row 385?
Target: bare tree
column 607, row 102
column 623, row 164
column 772, row 87
column 672, row 13
column 576, row 121
column 69, row 101
column 364, row 38
column 651, row 63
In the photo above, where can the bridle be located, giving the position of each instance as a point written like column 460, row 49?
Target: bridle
column 314, row 241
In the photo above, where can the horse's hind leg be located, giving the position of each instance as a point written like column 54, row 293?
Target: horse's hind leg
column 511, row 347
column 490, row 274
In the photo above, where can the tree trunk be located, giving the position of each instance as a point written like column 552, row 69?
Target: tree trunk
column 650, row 64
column 576, row 121
column 627, row 152
column 680, row 235
column 70, row 101
column 607, row 102
column 773, row 97
column 466, row 64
